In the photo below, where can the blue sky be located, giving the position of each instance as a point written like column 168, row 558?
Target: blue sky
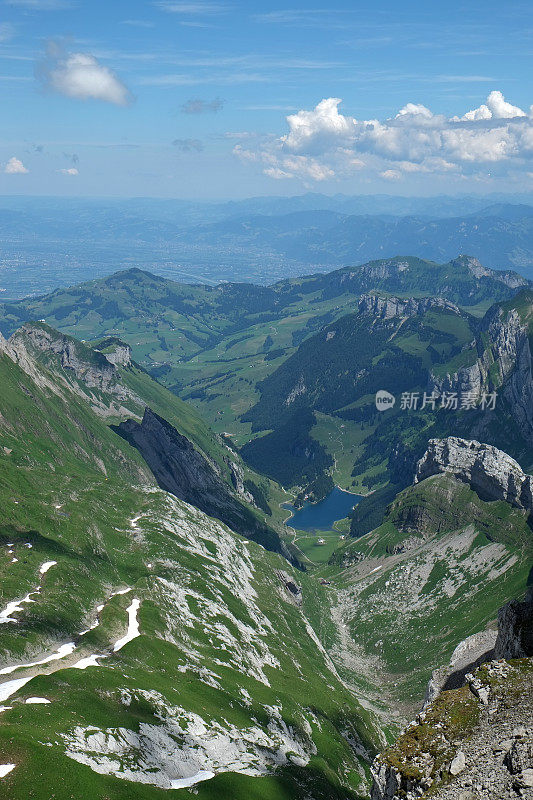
column 191, row 99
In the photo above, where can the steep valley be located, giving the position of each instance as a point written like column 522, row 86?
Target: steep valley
column 161, row 632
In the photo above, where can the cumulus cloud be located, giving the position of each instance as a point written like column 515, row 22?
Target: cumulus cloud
column 323, row 143
column 81, row 76
column 496, row 107
column 15, row 167
column 69, row 171
column 195, row 105
column 414, row 110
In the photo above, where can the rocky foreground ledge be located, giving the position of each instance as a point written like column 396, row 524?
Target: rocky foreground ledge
column 474, row 742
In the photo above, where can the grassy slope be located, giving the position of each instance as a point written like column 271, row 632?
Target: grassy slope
column 56, row 447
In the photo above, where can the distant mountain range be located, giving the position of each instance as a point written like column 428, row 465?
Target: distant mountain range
column 46, row 243
column 500, row 236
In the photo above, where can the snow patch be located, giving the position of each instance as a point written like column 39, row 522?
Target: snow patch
column 5, row 769
column 64, row 651
column 133, row 626
column 182, row 783
column 89, row 661
column 46, row 566
column 9, row 688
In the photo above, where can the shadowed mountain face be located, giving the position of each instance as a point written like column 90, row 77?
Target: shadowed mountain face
column 184, row 472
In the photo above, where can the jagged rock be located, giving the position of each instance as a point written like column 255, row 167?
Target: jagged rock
column 478, row 689
column 515, row 629
column 490, row 758
column 520, row 755
column 493, row 474
column 292, row 590
column 237, row 479
column 511, row 350
column 119, row 352
column 525, row 779
column 466, row 380
column 504, row 363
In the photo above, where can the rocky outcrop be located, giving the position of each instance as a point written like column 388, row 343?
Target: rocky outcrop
column 187, row 474
column 467, row 656
column 388, row 307
column 116, row 351
column 515, row 629
column 88, row 365
column 467, row 380
column 56, row 361
column 511, row 351
column 237, row 479
column 493, row 474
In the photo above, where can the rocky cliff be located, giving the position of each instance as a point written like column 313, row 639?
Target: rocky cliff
column 88, row 365
column 501, row 361
column 388, row 307
column 493, row 474
column 116, row 351
column 184, row 472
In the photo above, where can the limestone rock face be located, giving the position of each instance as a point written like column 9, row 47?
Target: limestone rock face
column 468, row 655
column 504, row 364
column 96, row 373
column 120, row 356
column 388, row 307
column 489, row 471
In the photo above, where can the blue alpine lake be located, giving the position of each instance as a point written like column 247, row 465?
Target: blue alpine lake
column 321, row 516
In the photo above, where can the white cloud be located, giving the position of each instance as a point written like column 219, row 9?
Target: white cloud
column 80, row 75
column 323, row 144
column 15, row 167
column 69, row 171
column 496, row 107
column 314, row 129
column 391, row 174
column 414, row 110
